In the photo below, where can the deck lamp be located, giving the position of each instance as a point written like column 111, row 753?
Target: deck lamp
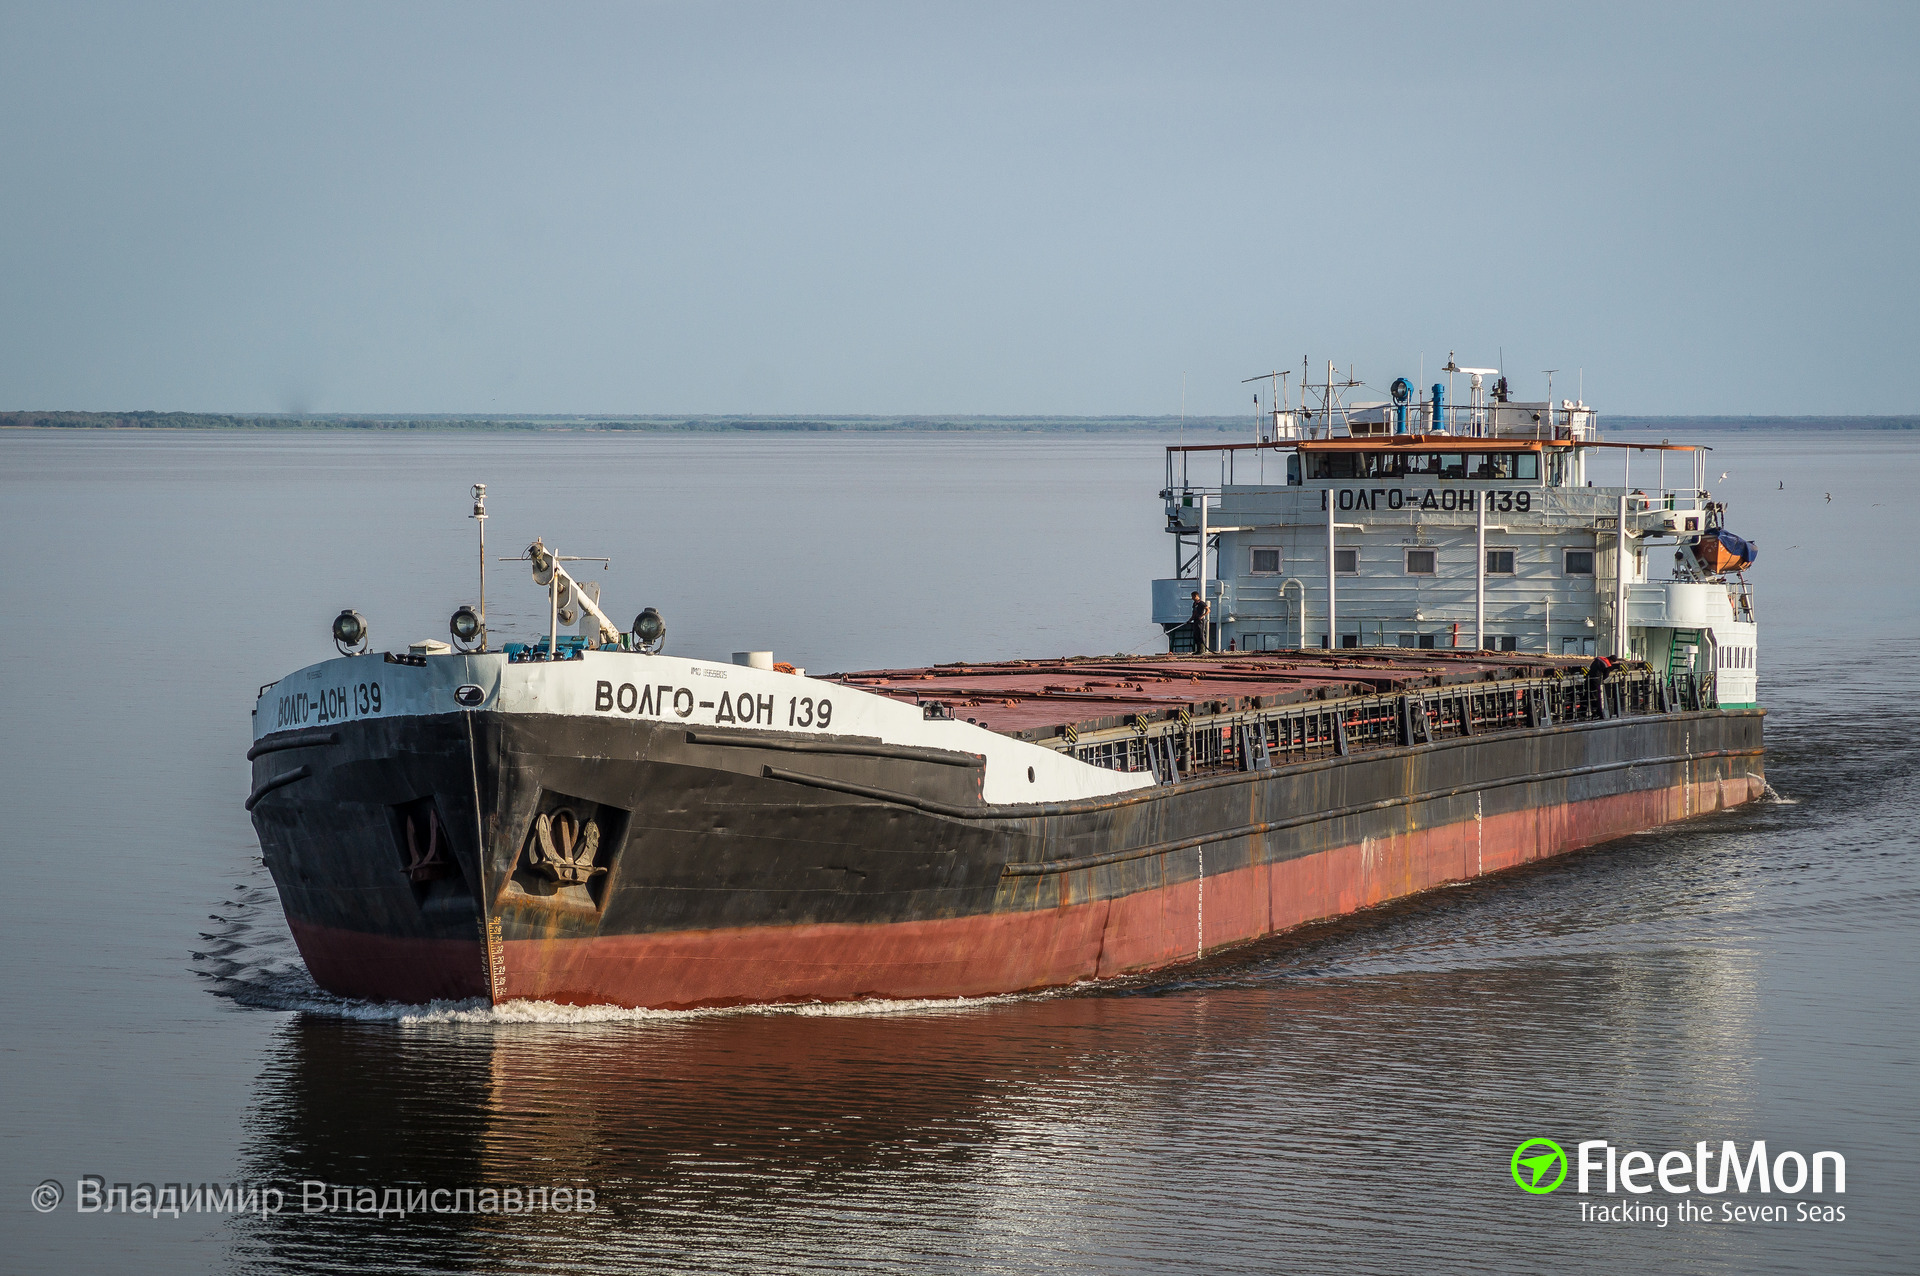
column 350, row 632
column 542, row 559
column 649, row 631
column 465, row 625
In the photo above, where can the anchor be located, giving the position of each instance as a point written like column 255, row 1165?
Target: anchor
column 430, row 864
column 565, row 847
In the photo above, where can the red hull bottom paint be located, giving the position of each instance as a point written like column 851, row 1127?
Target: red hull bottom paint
column 349, row 963
column 995, row 952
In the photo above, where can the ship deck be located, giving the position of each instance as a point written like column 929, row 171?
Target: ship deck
column 1034, row 699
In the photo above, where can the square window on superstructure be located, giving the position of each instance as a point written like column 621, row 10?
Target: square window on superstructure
column 1346, row 562
column 1266, row 562
column 1579, row 562
column 1509, row 642
column 1337, row 465
column 1426, row 642
column 1421, row 562
column 1499, row 562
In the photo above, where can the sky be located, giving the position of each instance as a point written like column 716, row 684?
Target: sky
column 1102, row 209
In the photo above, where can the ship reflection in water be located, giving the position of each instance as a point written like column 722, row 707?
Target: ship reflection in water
column 1354, row 1090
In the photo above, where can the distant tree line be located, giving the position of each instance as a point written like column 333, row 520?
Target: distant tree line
column 228, row 421
column 793, row 424
column 1762, row 422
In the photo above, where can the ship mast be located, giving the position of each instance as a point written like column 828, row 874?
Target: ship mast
column 479, row 516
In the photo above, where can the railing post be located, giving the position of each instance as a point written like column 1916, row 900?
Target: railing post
column 1620, row 584
column 1333, row 608
column 1480, row 577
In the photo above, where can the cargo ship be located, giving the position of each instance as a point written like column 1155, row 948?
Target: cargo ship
column 1409, row 644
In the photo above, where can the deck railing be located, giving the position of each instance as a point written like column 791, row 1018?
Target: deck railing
column 1189, row 746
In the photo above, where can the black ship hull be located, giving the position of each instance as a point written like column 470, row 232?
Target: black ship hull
column 556, row 857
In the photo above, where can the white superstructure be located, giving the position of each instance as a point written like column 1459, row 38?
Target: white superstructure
column 1493, row 525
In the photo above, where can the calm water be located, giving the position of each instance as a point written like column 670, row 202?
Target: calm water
column 1342, row 1099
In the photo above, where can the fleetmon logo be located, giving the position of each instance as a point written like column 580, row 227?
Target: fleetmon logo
column 1531, row 1171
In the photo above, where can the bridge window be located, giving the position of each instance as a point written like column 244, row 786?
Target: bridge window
column 1346, row 562
column 1337, row 465
column 1499, row 562
column 1265, row 561
column 1421, row 562
column 1442, row 465
column 1579, row 562
column 1494, row 466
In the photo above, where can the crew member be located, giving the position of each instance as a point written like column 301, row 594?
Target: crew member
column 1198, row 622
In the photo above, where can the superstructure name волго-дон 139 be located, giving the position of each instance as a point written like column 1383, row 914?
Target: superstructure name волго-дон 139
column 1433, row 646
